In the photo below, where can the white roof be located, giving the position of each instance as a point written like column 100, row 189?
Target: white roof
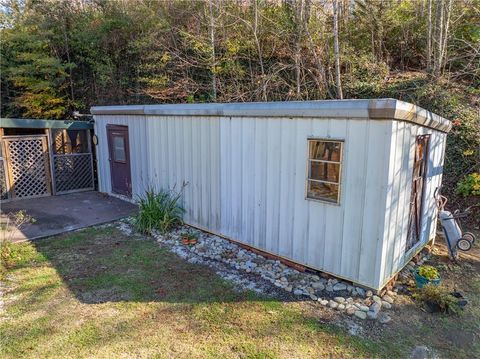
column 381, row 109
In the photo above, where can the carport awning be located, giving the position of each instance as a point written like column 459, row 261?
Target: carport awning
column 37, row 123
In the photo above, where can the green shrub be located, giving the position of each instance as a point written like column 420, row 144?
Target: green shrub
column 429, row 272
column 159, row 210
column 437, row 298
column 469, row 185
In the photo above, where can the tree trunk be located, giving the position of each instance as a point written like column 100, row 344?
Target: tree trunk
column 212, row 45
column 437, row 58
column 378, row 20
column 429, row 36
column 336, row 50
column 259, row 50
column 298, row 47
column 443, row 55
column 70, row 72
column 320, row 68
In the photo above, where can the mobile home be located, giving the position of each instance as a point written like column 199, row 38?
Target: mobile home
column 345, row 187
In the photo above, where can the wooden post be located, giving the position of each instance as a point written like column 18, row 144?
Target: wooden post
column 51, row 161
column 4, row 165
column 90, row 150
column 7, row 167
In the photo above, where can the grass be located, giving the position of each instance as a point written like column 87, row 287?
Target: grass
column 101, row 294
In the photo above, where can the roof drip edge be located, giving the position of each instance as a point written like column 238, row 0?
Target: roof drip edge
column 375, row 109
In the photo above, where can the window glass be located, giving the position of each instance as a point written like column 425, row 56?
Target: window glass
column 323, row 191
column 325, row 150
column 119, row 148
column 324, row 170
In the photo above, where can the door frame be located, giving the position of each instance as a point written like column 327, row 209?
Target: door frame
column 123, row 128
column 417, row 200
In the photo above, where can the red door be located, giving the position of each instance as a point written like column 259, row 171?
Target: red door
column 119, row 157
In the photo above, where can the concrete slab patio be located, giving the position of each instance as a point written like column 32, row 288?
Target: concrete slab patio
column 57, row 214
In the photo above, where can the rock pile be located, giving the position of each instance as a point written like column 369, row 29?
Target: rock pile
column 244, row 268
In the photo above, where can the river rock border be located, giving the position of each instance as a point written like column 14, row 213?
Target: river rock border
column 252, row 271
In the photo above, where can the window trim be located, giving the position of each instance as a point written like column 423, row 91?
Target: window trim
column 340, row 171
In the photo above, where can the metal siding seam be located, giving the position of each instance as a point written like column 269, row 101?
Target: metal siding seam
column 352, row 155
column 380, row 231
column 363, row 200
column 404, row 198
column 317, row 209
column 394, row 242
column 306, row 247
column 254, row 185
column 301, row 208
column 335, row 213
column 408, row 174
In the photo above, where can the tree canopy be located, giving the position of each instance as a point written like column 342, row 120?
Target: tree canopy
column 66, row 55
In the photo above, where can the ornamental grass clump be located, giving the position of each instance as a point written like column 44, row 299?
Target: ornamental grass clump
column 160, row 211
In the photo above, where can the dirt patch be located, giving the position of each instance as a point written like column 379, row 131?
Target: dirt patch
column 453, row 335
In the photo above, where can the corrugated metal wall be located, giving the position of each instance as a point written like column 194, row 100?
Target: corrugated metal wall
column 246, row 180
column 399, row 190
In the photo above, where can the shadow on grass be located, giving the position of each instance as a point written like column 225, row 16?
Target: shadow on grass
column 104, row 265
column 128, row 274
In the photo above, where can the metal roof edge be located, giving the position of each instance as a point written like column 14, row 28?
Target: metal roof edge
column 404, row 111
column 118, row 110
column 320, row 108
column 380, row 109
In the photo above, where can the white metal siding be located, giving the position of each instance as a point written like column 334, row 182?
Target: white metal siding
column 246, row 180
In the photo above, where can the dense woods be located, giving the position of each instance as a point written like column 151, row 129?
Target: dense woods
column 64, row 56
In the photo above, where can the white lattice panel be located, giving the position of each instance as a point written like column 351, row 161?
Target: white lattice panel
column 28, row 166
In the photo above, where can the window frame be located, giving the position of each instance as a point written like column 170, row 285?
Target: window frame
column 340, row 170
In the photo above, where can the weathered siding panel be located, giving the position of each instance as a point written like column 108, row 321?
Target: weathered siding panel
column 434, row 181
column 399, row 192
column 318, row 213
column 334, row 239
column 353, row 194
column 374, row 202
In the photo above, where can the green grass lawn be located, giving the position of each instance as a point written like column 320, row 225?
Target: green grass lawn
column 99, row 293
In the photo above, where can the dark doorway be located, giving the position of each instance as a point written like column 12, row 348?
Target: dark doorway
column 418, row 190
column 119, row 157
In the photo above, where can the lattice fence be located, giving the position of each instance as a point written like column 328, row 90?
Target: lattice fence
column 73, row 172
column 28, row 166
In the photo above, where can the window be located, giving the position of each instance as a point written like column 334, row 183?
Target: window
column 119, row 149
column 324, row 170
